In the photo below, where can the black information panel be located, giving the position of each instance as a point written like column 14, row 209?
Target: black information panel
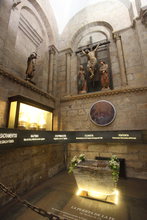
column 11, row 138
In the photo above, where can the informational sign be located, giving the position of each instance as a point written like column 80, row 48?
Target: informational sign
column 11, row 138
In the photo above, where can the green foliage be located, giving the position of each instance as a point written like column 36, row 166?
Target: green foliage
column 114, row 166
column 74, row 162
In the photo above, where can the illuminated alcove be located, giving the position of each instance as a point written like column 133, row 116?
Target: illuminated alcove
column 28, row 114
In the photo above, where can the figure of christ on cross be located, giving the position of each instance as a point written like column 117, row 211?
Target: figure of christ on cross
column 92, row 60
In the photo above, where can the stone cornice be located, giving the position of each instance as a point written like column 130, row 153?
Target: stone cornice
column 67, row 51
column 24, row 83
column 103, row 93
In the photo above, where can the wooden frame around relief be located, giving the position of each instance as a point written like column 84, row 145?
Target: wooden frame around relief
column 102, row 113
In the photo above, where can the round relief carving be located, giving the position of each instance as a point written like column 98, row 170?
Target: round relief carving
column 102, row 113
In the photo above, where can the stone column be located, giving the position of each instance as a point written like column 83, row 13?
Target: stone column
column 118, row 41
column 68, row 53
column 52, row 52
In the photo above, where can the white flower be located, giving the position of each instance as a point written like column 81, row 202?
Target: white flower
column 74, row 159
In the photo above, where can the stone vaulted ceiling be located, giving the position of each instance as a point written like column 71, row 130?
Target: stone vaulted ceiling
column 65, row 9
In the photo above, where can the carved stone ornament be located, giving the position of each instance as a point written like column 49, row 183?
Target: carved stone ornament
column 52, row 49
column 68, row 51
column 116, row 36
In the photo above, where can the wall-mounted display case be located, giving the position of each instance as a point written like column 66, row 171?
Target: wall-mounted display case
column 28, row 114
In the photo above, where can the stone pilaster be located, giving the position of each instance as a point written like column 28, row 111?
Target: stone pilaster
column 118, row 41
column 52, row 55
column 68, row 54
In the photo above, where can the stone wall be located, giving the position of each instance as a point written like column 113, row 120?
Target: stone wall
column 12, row 85
column 25, row 167
column 108, row 12
column 127, row 48
column 131, row 112
column 61, row 84
column 4, row 20
column 128, row 64
column 130, row 105
column 135, row 155
column 127, row 52
column 31, row 26
column 135, row 54
column 25, row 29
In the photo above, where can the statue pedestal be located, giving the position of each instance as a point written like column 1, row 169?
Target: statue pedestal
column 82, row 92
column 94, row 180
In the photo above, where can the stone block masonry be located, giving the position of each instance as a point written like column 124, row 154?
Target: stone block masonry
column 135, row 155
column 130, row 105
column 24, row 168
column 131, row 114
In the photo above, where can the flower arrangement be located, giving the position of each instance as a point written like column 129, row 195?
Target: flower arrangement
column 74, row 162
column 114, row 166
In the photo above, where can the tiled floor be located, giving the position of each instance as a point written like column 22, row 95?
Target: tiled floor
column 57, row 195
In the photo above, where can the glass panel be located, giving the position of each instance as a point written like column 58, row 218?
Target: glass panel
column 12, row 114
column 33, row 118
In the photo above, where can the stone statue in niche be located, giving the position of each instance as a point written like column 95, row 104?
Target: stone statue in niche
column 105, row 82
column 31, row 62
column 81, row 80
column 92, row 60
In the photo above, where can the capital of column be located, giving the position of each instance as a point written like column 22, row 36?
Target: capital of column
column 68, row 51
column 52, row 49
column 116, row 36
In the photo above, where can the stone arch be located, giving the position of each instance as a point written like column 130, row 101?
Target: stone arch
column 86, row 27
column 43, row 77
column 50, row 34
column 32, row 33
column 31, row 12
column 90, row 29
column 105, row 14
column 93, row 32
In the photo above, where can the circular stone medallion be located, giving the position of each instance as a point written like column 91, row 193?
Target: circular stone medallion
column 102, row 113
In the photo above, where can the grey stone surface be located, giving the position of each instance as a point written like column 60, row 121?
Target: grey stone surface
column 24, row 168
column 32, row 27
column 135, row 155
